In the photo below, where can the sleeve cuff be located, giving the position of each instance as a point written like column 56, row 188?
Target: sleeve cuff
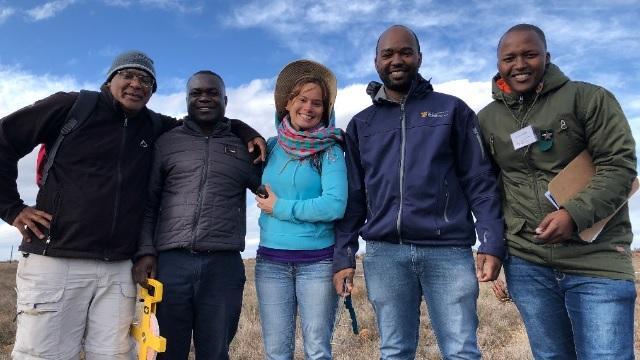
column 13, row 213
column 283, row 209
column 144, row 251
column 575, row 212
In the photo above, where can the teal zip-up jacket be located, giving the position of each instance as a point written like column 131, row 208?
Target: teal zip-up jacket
column 578, row 116
column 308, row 201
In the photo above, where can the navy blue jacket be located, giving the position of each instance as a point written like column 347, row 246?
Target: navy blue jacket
column 416, row 172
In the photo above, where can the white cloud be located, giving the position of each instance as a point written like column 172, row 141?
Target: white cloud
column 169, row 104
column 350, row 101
column 457, row 41
column 19, row 88
column 253, row 103
column 475, row 94
column 5, row 13
column 48, row 10
column 177, row 5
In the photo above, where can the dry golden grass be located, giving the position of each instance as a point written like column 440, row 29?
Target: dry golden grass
column 501, row 334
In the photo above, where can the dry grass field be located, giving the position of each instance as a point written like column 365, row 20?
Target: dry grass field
column 501, row 334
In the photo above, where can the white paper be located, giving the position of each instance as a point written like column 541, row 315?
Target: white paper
column 552, row 200
column 523, row 137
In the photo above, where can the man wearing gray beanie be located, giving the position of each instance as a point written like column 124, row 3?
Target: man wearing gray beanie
column 74, row 284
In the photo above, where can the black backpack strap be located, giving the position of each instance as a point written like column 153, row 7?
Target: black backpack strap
column 80, row 111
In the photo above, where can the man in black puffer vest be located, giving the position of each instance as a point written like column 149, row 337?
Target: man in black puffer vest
column 194, row 225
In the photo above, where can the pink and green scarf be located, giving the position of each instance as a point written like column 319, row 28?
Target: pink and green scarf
column 305, row 144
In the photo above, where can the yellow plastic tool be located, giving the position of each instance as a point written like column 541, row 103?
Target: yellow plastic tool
column 149, row 342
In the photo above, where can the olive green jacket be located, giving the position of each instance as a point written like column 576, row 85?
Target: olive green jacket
column 578, row 116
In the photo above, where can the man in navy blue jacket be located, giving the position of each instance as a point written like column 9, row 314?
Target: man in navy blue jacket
column 417, row 170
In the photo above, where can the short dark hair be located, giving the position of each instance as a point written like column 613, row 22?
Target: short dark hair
column 415, row 37
column 207, row 72
column 525, row 27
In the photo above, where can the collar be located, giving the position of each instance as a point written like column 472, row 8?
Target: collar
column 419, row 89
column 219, row 128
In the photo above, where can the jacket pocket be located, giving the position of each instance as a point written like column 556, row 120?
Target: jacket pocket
column 514, row 224
column 569, row 134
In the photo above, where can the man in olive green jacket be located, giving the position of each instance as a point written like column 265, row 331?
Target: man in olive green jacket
column 576, row 297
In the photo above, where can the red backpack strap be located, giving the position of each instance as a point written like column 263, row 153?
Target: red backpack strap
column 80, row 111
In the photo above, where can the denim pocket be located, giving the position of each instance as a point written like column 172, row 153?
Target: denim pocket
column 372, row 247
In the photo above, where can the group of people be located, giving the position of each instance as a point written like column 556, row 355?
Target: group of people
column 417, row 175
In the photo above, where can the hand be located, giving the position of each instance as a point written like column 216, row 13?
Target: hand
column 143, row 269
column 267, row 204
column 500, row 291
column 487, row 267
column 28, row 218
column 343, row 281
column 555, row 227
column 262, row 145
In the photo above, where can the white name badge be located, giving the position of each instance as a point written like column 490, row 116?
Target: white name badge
column 523, row 137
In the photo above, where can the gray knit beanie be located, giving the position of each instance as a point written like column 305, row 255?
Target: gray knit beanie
column 133, row 60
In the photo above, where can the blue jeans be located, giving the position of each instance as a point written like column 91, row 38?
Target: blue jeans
column 202, row 294
column 282, row 288
column 569, row 316
column 397, row 277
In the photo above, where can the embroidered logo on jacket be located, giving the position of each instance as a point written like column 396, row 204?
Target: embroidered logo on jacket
column 434, row 114
column 143, row 144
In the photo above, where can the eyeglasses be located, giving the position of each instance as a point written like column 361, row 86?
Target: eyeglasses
column 144, row 80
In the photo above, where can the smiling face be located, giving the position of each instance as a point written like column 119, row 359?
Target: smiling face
column 206, row 98
column 306, row 107
column 127, row 89
column 397, row 60
column 522, row 60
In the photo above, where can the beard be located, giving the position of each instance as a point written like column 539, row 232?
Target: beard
column 399, row 85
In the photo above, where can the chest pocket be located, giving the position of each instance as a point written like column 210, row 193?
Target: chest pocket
column 569, row 130
column 568, row 140
column 428, row 118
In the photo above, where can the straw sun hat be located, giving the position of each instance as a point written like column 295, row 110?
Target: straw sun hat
column 295, row 70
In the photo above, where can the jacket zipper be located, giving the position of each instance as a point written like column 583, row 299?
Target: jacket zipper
column 525, row 155
column 203, row 178
column 402, row 150
column 54, row 222
column 521, row 109
column 366, row 195
column 535, row 179
column 116, row 203
column 477, row 134
column 446, row 201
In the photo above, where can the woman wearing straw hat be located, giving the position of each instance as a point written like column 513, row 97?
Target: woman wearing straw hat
column 306, row 188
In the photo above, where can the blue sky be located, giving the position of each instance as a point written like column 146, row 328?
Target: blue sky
column 65, row 45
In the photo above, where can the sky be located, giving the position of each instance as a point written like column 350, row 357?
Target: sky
column 68, row 45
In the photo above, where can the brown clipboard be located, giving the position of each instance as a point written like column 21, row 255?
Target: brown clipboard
column 574, row 178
